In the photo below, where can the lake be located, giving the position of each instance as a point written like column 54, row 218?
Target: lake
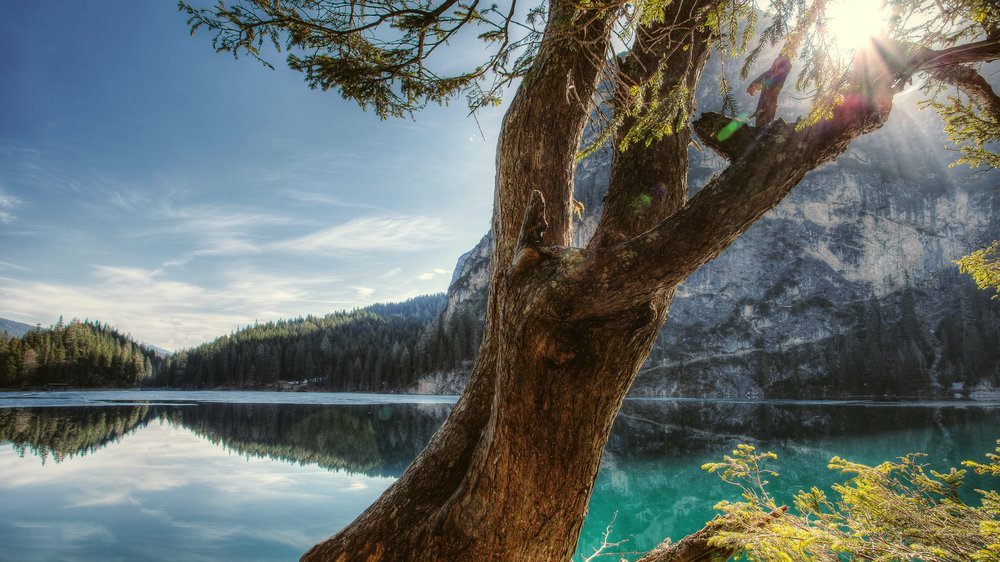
column 160, row 475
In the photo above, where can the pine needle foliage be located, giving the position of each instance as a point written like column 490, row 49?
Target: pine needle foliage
column 378, row 53
column 897, row 510
column 972, row 132
column 389, row 56
column 984, row 267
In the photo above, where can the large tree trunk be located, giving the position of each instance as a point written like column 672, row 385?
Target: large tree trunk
column 509, row 475
column 487, row 486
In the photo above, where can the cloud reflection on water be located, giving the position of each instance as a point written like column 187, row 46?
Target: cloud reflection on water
column 166, row 491
column 255, row 480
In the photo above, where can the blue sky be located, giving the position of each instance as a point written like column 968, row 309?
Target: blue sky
column 178, row 194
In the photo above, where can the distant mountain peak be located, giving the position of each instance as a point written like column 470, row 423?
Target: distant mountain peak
column 14, row 328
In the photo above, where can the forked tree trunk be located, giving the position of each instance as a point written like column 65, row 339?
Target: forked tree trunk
column 509, row 474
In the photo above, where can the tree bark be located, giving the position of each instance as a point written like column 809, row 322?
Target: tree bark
column 648, row 184
column 509, row 475
column 426, row 514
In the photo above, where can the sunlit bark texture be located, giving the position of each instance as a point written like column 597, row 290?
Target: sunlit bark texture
column 509, row 475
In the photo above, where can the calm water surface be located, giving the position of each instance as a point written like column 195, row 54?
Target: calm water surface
column 263, row 476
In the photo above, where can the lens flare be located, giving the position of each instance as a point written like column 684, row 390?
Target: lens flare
column 852, row 22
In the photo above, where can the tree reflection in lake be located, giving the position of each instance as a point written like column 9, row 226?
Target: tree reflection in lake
column 62, row 433
column 269, row 480
column 377, row 440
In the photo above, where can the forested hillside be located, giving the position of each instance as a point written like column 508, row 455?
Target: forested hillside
column 78, row 354
column 379, row 347
column 13, row 328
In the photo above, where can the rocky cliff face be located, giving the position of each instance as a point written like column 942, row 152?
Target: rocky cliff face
column 845, row 289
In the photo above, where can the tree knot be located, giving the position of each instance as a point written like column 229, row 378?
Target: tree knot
column 534, row 224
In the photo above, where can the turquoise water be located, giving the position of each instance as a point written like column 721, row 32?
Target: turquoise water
column 652, row 487
column 128, row 476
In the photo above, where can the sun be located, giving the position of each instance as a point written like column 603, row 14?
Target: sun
column 852, row 22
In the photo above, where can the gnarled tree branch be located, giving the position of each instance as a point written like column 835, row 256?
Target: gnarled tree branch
column 980, row 51
column 534, row 225
column 692, row 548
column 649, row 183
column 755, row 182
column 973, row 85
column 543, row 128
column 765, row 166
column 727, row 136
column 697, row 546
column 769, row 84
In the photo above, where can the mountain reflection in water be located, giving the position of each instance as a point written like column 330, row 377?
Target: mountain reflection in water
column 375, row 440
column 266, row 481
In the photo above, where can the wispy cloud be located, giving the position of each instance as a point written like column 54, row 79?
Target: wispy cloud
column 240, row 234
column 12, row 266
column 7, row 204
column 436, row 272
column 214, row 230
column 173, row 313
column 38, row 169
column 130, row 200
column 216, row 246
column 211, row 221
column 372, row 234
column 327, row 199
